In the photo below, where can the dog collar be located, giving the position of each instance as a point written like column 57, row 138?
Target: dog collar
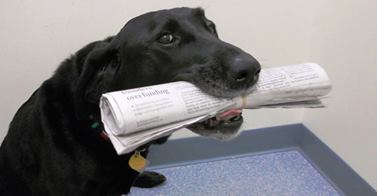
column 102, row 133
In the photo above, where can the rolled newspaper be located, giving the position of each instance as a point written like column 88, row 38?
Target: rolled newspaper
column 136, row 116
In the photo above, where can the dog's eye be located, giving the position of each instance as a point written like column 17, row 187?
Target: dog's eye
column 166, row 39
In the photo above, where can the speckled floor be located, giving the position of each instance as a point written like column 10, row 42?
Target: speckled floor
column 277, row 173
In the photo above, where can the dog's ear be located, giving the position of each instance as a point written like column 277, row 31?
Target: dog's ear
column 97, row 64
column 208, row 23
column 211, row 26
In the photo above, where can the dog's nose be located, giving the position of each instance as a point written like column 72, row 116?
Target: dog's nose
column 243, row 69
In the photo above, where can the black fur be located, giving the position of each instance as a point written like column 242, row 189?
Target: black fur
column 51, row 149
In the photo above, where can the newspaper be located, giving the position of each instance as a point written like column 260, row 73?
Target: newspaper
column 136, row 116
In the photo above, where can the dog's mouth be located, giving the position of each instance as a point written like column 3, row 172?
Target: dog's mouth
column 224, row 126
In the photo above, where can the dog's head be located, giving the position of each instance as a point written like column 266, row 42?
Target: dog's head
column 165, row 46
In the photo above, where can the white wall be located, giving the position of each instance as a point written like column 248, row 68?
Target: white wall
column 344, row 39
column 37, row 35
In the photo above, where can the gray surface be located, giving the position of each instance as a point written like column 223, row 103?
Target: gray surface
column 271, row 139
column 198, row 148
column 333, row 167
column 278, row 173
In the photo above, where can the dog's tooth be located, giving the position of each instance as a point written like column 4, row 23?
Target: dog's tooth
column 235, row 118
column 212, row 122
column 209, row 123
column 206, row 122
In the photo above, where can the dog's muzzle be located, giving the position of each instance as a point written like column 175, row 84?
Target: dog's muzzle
column 236, row 75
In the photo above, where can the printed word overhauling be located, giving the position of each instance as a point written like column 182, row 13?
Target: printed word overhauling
column 148, row 94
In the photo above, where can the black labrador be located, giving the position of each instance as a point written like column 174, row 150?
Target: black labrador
column 53, row 146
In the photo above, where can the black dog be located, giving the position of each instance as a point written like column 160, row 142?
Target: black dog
column 53, row 146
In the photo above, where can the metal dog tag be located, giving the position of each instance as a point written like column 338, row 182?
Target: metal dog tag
column 137, row 162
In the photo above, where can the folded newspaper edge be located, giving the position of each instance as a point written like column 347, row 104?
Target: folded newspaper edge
column 137, row 116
